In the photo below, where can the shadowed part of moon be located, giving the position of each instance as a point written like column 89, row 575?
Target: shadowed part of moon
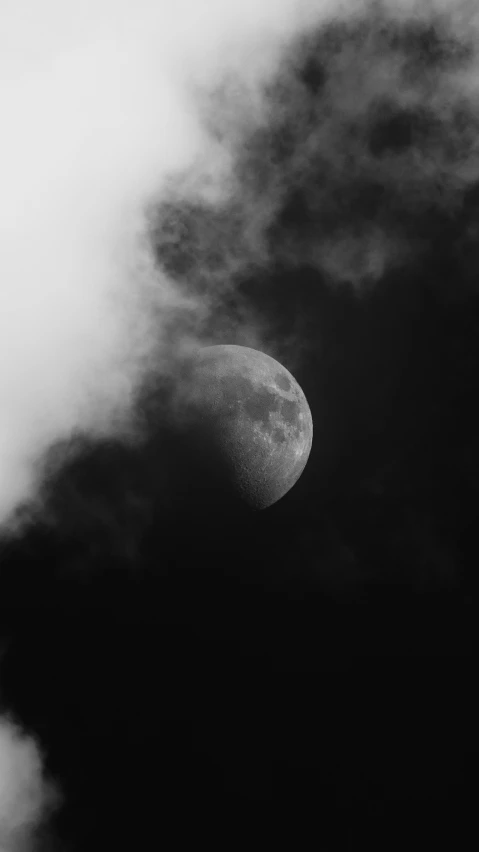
column 252, row 422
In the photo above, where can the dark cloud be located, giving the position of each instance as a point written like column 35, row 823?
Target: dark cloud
column 310, row 665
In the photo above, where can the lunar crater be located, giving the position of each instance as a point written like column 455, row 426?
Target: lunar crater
column 256, row 415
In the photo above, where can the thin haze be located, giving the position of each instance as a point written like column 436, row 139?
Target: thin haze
column 97, row 111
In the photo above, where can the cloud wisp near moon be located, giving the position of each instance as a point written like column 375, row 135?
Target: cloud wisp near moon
column 107, row 108
column 98, row 110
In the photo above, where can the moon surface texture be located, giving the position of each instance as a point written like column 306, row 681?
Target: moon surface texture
column 254, row 421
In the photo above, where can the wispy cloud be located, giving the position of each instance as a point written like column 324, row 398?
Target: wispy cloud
column 99, row 106
column 26, row 797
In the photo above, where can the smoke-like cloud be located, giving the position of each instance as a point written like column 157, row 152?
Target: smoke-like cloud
column 100, row 107
column 26, row 797
column 156, row 155
column 366, row 140
column 356, row 159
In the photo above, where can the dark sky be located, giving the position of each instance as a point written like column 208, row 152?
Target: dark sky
column 200, row 675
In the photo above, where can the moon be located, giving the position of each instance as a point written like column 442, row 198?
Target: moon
column 254, row 421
